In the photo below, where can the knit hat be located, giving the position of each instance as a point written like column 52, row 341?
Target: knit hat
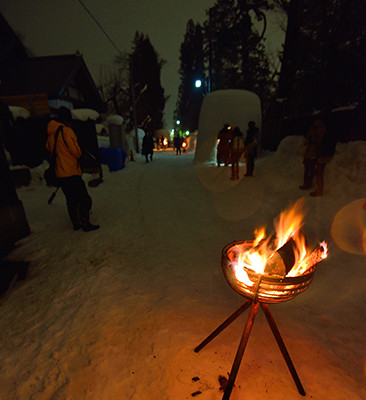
column 64, row 114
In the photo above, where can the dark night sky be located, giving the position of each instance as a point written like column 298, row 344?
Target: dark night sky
column 62, row 27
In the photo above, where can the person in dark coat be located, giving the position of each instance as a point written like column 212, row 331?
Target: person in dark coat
column 251, row 143
column 68, row 169
column 326, row 152
column 313, row 144
column 178, row 144
column 148, row 147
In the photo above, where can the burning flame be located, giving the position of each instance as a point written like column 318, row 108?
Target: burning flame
column 264, row 253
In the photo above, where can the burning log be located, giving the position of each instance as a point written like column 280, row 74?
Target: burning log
column 316, row 256
column 283, row 260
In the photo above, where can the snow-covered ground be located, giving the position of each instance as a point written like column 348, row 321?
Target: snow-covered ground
column 116, row 313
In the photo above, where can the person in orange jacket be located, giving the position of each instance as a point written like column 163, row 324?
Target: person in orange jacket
column 68, row 169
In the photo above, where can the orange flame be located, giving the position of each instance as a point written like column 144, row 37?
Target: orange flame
column 287, row 226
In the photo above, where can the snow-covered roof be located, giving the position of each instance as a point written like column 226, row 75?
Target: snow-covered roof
column 114, row 120
column 83, row 114
column 19, row 112
column 345, row 108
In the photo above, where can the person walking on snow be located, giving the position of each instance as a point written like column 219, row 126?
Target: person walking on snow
column 148, row 146
column 178, row 144
column 68, row 169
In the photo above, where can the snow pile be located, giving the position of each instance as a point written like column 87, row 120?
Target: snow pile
column 84, row 114
column 101, row 129
column 104, row 141
column 344, row 175
column 346, row 172
column 114, row 120
column 19, row 112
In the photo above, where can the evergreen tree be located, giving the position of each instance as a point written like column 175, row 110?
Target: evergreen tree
column 324, row 56
column 234, row 54
column 145, row 69
column 191, row 69
column 234, row 48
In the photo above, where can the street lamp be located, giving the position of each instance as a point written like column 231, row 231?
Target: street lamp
column 198, row 83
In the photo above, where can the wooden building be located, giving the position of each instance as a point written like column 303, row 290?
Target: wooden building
column 43, row 84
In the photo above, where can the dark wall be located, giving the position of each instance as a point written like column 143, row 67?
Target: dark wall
column 13, row 222
column 26, row 141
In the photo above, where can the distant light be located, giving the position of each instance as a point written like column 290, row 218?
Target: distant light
column 178, row 122
column 187, row 133
column 198, row 83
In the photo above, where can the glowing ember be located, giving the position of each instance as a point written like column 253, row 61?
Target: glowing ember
column 283, row 253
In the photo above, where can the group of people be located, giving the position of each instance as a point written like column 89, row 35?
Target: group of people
column 232, row 145
column 62, row 141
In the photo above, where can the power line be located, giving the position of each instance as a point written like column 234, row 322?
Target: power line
column 100, row 27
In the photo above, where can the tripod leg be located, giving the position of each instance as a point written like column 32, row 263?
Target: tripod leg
column 225, row 324
column 240, row 352
column 282, row 347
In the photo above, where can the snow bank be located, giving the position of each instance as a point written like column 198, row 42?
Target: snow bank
column 346, row 172
column 344, row 175
column 19, row 112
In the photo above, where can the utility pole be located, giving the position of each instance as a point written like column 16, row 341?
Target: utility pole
column 132, row 82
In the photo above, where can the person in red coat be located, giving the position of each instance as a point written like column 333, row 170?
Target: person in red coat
column 223, row 145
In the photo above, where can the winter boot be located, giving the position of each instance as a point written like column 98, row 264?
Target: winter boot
column 87, row 226
column 76, row 225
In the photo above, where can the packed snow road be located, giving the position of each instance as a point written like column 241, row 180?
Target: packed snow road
column 116, row 313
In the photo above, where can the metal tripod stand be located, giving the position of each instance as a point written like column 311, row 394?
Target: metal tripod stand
column 244, row 340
